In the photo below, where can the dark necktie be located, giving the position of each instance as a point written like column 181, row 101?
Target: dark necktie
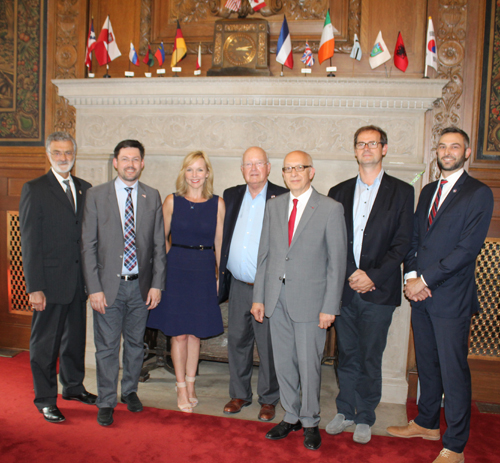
column 435, row 206
column 69, row 194
column 130, row 256
column 291, row 221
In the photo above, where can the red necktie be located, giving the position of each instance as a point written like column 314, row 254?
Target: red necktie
column 291, row 221
column 434, row 208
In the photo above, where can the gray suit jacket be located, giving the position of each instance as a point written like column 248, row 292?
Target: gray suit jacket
column 103, row 244
column 314, row 264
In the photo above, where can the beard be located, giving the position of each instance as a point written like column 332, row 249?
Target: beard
column 459, row 163
column 62, row 167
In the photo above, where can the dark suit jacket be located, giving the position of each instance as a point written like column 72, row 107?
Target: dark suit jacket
column 446, row 253
column 50, row 238
column 233, row 197
column 386, row 240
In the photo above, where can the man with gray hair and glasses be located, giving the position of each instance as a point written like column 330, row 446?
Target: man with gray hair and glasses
column 245, row 205
column 50, row 213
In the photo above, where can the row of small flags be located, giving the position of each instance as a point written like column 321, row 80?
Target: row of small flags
column 106, row 49
column 235, row 5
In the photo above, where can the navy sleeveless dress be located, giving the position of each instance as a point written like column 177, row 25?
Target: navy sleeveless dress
column 189, row 303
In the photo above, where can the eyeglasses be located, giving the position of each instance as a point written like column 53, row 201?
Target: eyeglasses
column 58, row 154
column 369, row 144
column 288, row 169
column 258, row 164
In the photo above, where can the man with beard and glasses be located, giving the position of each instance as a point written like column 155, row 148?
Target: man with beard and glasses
column 450, row 225
column 124, row 262
column 50, row 215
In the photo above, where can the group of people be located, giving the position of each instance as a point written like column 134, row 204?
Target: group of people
column 291, row 263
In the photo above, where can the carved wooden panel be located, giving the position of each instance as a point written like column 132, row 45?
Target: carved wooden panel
column 197, row 17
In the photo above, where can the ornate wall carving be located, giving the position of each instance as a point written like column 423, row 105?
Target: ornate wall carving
column 66, row 60
column 450, row 29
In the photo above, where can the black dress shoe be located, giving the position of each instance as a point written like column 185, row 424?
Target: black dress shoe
column 85, row 397
column 52, row 414
column 280, row 431
column 133, row 402
column 312, row 438
column 105, row 416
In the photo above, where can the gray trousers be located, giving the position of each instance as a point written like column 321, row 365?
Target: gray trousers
column 298, row 349
column 243, row 330
column 127, row 316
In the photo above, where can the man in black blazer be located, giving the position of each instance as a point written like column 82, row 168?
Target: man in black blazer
column 50, row 213
column 379, row 221
column 451, row 222
column 245, row 206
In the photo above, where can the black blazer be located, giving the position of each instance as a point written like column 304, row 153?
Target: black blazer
column 50, row 238
column 386, row 240
column 233, row 197
column 445, row 254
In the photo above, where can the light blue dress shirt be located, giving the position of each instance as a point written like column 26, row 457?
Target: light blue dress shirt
column 364, row 197
column 121, row 196
column 242, row 260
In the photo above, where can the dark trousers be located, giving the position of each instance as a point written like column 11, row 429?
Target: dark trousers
column 58, row 331
column 243, row 331
column 362, row 329
column 127, row 316
column 441, row 348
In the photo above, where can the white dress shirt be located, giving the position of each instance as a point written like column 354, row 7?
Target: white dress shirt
column 301, row 206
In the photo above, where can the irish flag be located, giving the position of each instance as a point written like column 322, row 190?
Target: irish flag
column 327, row 44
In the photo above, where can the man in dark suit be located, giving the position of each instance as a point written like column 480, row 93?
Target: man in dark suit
column 124, row 262
column 298, row 286
column 245, row 205
column 378, row 212
column 50, row 214
column 451, row 222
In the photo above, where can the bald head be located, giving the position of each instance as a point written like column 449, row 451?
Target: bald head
column 255, row 168
column 298, row 182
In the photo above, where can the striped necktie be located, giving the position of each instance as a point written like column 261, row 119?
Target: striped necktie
column 435, row 206
column 130, row 256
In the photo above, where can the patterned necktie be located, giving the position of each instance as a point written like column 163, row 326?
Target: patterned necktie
column 434, row 208
column 130, row 256
column 69, row 194
column 291, row 221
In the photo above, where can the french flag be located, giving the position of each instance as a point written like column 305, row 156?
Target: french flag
column 284, row 53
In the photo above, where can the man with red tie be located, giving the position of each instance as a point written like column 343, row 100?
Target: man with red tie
column 451, row 223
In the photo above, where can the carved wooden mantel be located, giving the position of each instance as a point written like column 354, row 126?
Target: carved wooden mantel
column 225, row 115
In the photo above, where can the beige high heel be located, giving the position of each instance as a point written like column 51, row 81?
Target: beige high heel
column 186, row 408
column 192, row 400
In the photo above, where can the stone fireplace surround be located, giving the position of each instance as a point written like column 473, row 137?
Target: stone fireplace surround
column 223, row 116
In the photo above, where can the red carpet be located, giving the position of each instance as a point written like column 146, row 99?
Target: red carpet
column 163, row 435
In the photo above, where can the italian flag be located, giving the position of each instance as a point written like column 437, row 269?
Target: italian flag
column 327, row 44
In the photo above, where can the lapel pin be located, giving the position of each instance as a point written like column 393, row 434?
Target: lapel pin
column 273, row 196
column 455, row 190
column 79, row 192
column 143, row 196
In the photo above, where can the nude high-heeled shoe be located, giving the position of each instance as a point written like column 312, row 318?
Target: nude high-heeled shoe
column 192, row 400
column 186, row 408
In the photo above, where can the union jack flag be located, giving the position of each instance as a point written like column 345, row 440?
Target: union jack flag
column 233, row 4
column 307, row 57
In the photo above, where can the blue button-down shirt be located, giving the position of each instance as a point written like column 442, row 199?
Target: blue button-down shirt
column 242, row 260
column 121, row 196
column 364, row 197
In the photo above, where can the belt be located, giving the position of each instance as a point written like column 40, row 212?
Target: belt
column 244, row 282
column 198, row 248
column 130, row 277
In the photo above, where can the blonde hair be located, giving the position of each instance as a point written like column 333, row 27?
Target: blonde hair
column 208, row 186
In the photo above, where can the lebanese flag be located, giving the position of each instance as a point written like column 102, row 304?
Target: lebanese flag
column 400, row 57
column 90, row 46
column 106, row 49
column 327, row 44
column 257, row 4
column 284, row 53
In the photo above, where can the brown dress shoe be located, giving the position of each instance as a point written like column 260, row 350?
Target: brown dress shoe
column 447, row 456
column 267, row 412
column 235, row 406
column 412, row 429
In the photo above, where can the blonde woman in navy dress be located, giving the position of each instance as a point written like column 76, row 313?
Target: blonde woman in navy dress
column 189, row 309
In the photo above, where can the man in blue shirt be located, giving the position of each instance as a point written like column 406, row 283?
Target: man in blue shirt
column 378, row 212
column 245, row 205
